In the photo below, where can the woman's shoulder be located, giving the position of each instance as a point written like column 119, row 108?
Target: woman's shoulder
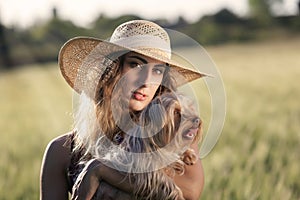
column 62, row 142
column 59, row 149
column 57, row 156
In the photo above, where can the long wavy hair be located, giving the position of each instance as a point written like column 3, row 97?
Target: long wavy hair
column 94, row 117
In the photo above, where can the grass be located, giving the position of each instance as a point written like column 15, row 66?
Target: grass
column 35, row 106
column 256, row 157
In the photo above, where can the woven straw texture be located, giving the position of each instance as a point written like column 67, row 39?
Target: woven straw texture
column 82, row 59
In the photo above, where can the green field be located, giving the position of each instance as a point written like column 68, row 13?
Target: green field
column 257, row 156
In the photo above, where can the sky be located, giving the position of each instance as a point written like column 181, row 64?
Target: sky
column 24, row 13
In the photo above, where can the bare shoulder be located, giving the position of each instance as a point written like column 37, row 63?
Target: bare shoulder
column 58, row 150
column 61, row 142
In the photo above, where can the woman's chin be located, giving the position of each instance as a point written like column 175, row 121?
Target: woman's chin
column 136, row 106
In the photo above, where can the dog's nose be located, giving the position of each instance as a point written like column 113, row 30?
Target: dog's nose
column 197, row 122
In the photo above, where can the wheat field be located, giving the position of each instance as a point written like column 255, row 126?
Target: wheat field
column 256, row 157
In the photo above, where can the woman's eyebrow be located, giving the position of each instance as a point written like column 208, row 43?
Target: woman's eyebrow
column 162, row 65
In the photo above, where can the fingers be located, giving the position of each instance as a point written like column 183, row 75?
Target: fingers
column 76, row 186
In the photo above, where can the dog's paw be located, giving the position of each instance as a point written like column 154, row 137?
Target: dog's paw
column 176, row 167
column 189, row 157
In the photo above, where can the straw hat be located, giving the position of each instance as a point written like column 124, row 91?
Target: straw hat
column 80, row 58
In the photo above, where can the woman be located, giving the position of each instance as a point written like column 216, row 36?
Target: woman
column 124, row 73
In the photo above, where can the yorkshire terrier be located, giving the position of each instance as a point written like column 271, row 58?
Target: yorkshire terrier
column 169, row 125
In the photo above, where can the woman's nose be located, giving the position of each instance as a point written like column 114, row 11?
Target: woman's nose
column 145, row 76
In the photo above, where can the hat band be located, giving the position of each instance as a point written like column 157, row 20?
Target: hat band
column 148, row 41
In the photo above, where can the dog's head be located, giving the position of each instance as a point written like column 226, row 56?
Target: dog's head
column 170, row 120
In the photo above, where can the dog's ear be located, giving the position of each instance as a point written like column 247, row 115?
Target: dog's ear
column 199, row 134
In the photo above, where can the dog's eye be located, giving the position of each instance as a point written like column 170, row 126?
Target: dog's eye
column 176, row 112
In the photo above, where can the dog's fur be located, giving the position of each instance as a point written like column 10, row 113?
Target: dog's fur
column 158, row 148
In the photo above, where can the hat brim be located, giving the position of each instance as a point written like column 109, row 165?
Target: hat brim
column 76, row 50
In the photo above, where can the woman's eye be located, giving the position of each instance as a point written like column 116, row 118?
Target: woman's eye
column 135, row 64
column 158, row 71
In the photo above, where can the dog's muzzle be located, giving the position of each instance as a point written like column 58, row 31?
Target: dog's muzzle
column 196, row 122
column 192, row 132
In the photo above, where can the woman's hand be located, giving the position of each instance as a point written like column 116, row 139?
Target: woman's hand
column 90, row 183
column 87, row 181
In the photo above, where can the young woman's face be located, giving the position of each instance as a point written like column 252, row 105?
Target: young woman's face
column 143, row 76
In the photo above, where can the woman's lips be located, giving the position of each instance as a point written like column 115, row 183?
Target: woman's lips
column 139, row 96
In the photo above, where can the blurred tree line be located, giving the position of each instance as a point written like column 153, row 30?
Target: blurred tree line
column 41, row 42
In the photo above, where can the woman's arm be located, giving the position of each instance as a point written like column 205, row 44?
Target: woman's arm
column 192, row 181
column 54, row 183
column 94, row 173
column 101, row 182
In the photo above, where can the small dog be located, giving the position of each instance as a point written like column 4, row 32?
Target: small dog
column 159, row 147
column 180, row 127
